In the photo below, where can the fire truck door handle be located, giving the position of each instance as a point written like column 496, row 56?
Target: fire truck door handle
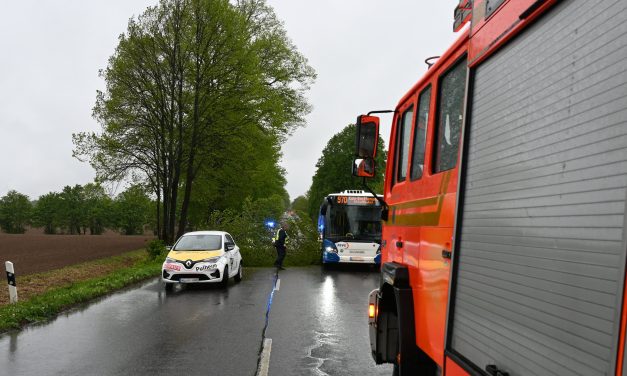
column 493, row 370
column 446, row 254
column 399, row 244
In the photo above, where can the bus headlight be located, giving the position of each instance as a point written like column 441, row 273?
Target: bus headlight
column 328, row 246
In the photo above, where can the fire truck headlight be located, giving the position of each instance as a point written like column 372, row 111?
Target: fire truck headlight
column 371, row 311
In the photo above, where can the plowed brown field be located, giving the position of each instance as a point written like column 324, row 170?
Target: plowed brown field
column 35, row 252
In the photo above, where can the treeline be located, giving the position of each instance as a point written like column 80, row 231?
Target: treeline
column 199, row 97
column 86, row 209
column 333, row 172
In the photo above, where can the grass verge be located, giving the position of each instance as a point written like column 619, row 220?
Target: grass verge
column 54, row 300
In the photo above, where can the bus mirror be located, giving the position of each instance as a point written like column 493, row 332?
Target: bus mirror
column 367, row 136
column 363, row 168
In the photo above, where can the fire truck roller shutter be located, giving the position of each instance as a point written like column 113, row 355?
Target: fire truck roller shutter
column 540, row 255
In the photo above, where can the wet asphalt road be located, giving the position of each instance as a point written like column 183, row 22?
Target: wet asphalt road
column 317, row 324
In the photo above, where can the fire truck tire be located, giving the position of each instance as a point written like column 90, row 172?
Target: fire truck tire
column 396, row 372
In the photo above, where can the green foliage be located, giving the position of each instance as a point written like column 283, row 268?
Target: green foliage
column 15, row 212
column 199, row 96
column 303, row 246
column 156, row 249
column 47, row 212
column 79, row 209
column 333, row 169
column 74, row 210
column 97, row 206
column 300, row 204
column 247, row 226
column 132, row 209
column 73, row 215
column 54, row 301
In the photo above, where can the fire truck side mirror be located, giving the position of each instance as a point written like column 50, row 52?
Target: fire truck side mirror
column 367, row 137
column 363, row 168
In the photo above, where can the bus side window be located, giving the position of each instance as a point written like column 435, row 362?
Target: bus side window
column 450, row 111
column 420, row 134
column 402, row 142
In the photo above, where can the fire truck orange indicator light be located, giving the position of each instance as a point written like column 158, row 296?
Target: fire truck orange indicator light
column 371, row 311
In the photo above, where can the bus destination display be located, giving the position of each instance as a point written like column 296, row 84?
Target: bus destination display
column 353, row 200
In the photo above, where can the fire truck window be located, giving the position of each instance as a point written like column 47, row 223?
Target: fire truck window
column 420, row 135
column 404, row 133
column 451, row 106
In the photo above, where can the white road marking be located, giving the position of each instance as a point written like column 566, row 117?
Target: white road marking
column 278, row 285
column 264, row 363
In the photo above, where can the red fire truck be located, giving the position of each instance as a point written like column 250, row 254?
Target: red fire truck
column 504, row 232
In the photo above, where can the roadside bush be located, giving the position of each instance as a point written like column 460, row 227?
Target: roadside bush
column 156, row 249
column 250, row 234
column 303, row 246
column 249, row 230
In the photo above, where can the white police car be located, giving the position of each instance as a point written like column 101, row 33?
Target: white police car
column 202, row 257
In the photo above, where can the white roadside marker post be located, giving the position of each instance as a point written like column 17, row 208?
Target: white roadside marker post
column 11, row 280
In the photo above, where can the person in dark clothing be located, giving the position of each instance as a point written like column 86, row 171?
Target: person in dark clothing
column 280, row 241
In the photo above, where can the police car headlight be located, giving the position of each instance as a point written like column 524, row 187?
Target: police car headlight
column 212, row 259
column 331, row 250
column 169, row 259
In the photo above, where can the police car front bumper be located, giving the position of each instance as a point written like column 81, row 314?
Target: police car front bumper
column 200, row 272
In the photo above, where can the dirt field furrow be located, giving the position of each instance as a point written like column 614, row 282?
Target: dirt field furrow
column 35, row 252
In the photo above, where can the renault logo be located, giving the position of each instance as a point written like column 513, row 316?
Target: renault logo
column 188, row 264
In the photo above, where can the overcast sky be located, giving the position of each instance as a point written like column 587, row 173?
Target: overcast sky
column 367, row 54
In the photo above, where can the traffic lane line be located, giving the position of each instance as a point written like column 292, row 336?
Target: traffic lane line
column 264, row 363
column 278, row 285
column 263, row 360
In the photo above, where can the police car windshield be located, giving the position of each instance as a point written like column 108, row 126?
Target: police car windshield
column 198, row 243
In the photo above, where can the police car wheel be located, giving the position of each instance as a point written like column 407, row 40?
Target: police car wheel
column 169, row 286
column 239, row 275
column 225, row 279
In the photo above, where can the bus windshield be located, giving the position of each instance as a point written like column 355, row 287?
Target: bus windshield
column 353, row 222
